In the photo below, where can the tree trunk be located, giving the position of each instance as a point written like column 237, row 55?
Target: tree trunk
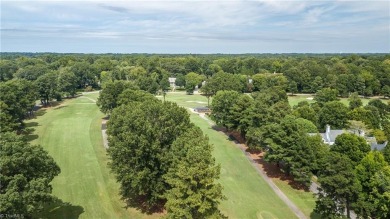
column 347, row 207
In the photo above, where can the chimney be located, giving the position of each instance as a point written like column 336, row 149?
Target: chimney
column 327, row 133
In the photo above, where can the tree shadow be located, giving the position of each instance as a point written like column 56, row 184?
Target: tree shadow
column 28, row 131
column 273, row 170
column 314, row 215
column 60, row 107
column 40, row 112
column 140, row 203
column 60, row 210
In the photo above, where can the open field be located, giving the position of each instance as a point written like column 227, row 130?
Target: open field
column 71, row 134
column 249, row 196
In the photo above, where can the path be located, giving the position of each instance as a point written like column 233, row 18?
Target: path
column 275, row 188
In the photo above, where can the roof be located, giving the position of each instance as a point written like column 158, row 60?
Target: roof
column 331, row 137
column 171, row 80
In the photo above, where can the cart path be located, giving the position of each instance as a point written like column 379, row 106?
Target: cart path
column 275, row 188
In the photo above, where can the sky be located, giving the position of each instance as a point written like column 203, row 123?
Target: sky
column 195, row 26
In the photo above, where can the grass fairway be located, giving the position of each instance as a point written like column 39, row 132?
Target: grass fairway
column 248, row 195
column 71, row 133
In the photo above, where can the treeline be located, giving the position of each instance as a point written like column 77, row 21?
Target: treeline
column 159, row 157
column 351, row 176
column 366, row 74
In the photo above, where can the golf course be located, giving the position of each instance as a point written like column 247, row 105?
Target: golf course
column 71, row 133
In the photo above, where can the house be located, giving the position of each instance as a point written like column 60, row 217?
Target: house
column 330, row 136
column 172, row 82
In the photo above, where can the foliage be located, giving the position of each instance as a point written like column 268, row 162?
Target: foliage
column 352, row 146
column 192, row 178
column 192, row 79
column 288, row 144
column 326, row 95
column 26, row 173
column 108, row 98
column 339, row 186
column 221, row 107
column 17, row 100
column 266, row 81
column 355, row 101
column 333, row 113
column 47, row 87
column 373, row 172
column 140, row 135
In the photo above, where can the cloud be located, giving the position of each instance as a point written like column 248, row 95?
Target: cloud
column 233, row 23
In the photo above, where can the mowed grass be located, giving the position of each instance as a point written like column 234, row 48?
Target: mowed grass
column 71, row 133
column 294, row 100
column 248, row 195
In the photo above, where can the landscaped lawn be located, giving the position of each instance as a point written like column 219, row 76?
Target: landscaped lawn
column 71, row 133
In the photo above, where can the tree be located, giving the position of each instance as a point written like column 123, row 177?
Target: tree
column 17, row 100
column 47, row 87
column 287, row 143
column 192, row 79
column 67, row 82
column 326, row 95
column 355, row 101
column 351, row 145
column 293, row 87
column 386, row 153
column 221, row 107
column 306, row 112
column 386, row 91
column 194, row 192
column 180, row 80
column 164, row 85
column 225, row 81
column 140, row 135
column 334, row 114
column 206, row 91
column 240, row 114
column 339, row 187
column 26, row 173
column 373, row 172
column 108, row 98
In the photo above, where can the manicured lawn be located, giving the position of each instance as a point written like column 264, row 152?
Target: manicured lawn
column 248, row 195
column 71, row 133
column 294, row 100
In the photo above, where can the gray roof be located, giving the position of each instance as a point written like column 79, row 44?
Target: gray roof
column 332, row 135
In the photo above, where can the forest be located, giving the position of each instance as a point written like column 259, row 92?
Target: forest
column 249, row 95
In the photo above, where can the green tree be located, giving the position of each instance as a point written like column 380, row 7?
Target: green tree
column 67, row 82
column 140, row 136
column 192, row 79
column 220, row 107
column 194, row 191
column 326, row 95
column 293, row 87
column 164, row 85
column 339, row 187
column 17, row 101
column 26, row 172
column 334, row 114
column 108, row 98
column 47, row 87
column 287, row 143
column 355, row 101
column 240, row 114
column 373, row 172
column 180, row 80
column 386, row 91
column 351, row 145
